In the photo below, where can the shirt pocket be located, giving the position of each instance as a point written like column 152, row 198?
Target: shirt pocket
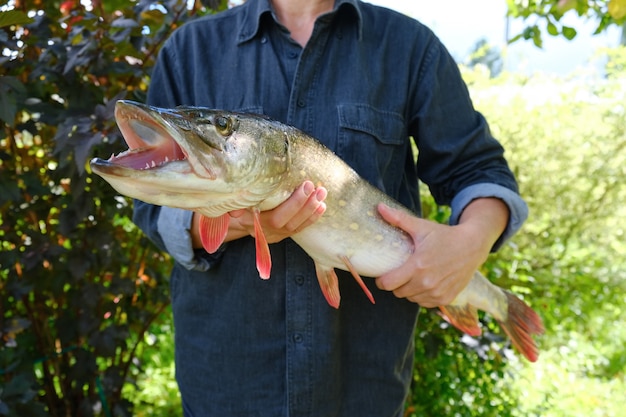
column 375, row 143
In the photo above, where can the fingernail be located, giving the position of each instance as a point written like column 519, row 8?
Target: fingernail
column 321, row 194
column 308, row 188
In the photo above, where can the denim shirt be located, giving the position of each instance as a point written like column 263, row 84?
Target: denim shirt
column 367, row 81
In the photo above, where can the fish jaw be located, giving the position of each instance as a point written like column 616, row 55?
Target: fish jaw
column 173, row 184
column 155, row 136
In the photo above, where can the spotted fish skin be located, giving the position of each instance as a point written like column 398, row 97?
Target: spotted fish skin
column 215, row 161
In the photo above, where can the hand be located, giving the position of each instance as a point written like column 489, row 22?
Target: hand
column 303, row 208
column 445, row 257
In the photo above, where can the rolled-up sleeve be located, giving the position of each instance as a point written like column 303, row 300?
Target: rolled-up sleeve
column 518, row 210
column 175, row 224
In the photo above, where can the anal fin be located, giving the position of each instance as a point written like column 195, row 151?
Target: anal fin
column 213, row 231
column 263, row 257
column 463, row 317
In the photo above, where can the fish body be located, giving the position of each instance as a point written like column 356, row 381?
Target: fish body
column 214, row 162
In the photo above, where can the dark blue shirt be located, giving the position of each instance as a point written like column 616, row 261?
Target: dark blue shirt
column 367, row 81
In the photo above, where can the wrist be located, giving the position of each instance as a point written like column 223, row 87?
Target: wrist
column 485, row 219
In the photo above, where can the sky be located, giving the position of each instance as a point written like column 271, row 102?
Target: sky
column 461, row 23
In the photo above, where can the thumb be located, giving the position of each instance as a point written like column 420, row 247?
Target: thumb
column 394, row 217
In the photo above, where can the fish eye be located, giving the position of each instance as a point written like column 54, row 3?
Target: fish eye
column 224, row 125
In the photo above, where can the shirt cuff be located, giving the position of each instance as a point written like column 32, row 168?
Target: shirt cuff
column 517, row 207
column 173, row 225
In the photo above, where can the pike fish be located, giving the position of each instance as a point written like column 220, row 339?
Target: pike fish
column 214, row 162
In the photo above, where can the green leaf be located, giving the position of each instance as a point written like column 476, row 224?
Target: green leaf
column 569, row 33
column 552, row 29
column 14, row 17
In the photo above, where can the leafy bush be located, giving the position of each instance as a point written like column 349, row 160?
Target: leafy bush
column 566, row 139
column 80, row 284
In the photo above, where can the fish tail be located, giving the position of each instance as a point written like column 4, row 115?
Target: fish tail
column 464, row 317
column 521, row 323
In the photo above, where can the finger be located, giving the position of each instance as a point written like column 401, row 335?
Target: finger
column 278, row 217
column 310, row 212
column 395, row 279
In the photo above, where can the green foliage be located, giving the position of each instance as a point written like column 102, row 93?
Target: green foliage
column 566, row 140
column 155, row 393
column 455, row 374
column 547, row 14
column 486, row 54
column 616, row 60
column 80, row 285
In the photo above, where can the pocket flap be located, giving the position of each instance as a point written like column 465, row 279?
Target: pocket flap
column 388, row 127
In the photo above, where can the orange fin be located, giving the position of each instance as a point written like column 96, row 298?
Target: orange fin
column 463, row 317
column 213, row 231
column 329, row 285
column 358, row 278
column 522, row 322
column 263, row 257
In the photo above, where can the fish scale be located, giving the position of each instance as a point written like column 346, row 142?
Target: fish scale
column 351, row 235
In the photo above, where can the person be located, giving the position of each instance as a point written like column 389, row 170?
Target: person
column 363, row 80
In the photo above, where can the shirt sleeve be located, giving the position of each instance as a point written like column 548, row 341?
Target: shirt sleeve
column 458, row 158
column 174, row 225
column 518, row 210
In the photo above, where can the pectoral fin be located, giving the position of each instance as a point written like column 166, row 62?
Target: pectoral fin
column 263, row 257
column 329, row 284
column 213, row 231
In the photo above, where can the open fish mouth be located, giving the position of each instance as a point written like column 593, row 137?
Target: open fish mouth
column 150, row 143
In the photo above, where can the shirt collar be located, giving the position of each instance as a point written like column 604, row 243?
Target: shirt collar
column 255, row 9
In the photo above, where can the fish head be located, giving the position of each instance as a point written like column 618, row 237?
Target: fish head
column 193, row 157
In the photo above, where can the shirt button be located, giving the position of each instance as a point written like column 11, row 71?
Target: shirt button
column 299, row 279
column 298, row 338
column 292, row 54
column 264, row 39
column 301, row 103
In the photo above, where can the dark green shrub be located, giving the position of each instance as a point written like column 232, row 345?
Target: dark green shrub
column 79, row 283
